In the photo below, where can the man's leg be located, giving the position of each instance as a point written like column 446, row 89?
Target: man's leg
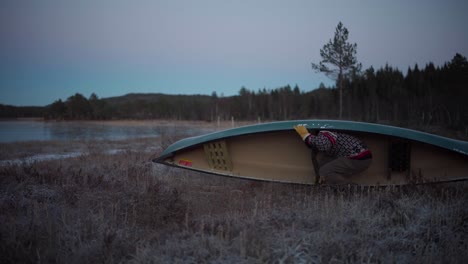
column 339, row 170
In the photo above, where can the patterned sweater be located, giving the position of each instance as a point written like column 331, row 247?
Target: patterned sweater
column 339, row 145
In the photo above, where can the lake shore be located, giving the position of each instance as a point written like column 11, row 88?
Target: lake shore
column 30, row 151
column 215, row 125
column 162, row 130
column 143, row 122
column 28, row 130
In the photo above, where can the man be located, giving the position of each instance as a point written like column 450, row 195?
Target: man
column 345, row 155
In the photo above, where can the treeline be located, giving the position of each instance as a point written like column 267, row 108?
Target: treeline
column 432, row 96
column 9, row 111
column 428, row 96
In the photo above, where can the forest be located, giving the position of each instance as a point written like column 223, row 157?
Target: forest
column 430, row 96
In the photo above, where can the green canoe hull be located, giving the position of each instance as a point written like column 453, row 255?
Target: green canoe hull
column 274, row 152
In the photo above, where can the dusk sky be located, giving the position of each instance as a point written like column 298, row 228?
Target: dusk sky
column 52, row 49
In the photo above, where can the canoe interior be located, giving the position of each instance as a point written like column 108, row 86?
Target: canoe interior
column 282, row 157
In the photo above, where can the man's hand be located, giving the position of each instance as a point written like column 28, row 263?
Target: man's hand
column 302, row 131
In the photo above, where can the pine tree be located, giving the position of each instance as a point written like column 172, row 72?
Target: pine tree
column 338, row 59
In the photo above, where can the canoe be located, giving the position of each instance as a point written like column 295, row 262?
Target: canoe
column 274, row 152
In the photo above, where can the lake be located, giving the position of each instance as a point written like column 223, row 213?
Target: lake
column 14, row 131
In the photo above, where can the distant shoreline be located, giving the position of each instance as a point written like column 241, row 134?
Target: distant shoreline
column 22, row 119
column 140, row 122
column 222, row 124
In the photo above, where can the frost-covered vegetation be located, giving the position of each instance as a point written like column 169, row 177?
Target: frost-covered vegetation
column 120, row 207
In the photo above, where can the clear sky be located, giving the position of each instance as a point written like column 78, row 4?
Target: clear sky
column 51, row 49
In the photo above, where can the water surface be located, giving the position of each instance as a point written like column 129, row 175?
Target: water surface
column 15, row 131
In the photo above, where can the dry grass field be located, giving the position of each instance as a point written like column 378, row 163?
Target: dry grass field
column 118, row 207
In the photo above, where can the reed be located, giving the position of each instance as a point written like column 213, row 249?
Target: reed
column 120, row 207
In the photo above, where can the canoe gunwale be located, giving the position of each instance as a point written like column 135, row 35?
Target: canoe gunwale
column 217, row 173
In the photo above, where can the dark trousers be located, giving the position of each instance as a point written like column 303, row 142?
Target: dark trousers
column 340, row 170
